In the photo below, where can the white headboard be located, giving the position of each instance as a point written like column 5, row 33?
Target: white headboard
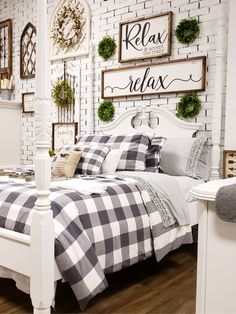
column 168, row 124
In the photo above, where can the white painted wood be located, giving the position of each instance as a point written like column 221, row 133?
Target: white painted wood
column 10, row 133
column 81, row 49
column 218, row 95
column 90, row 102
column 230, row 114
column 216, row 272
column 42, row 225
column 169, row 125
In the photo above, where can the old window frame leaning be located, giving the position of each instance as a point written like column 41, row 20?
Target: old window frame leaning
column 6, row 27
column 30, row 32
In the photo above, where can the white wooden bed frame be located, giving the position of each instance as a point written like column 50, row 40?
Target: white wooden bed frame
column 33, row 256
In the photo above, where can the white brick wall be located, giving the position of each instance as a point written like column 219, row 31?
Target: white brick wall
column 106, row 16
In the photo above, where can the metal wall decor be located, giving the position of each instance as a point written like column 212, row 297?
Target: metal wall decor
column 6, row 49
column 28, row 52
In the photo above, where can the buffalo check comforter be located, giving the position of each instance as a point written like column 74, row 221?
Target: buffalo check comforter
column 96, row 234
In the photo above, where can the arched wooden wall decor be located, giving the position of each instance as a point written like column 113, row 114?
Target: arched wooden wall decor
column 70, row 29
column 6, row 49
column 28, row 52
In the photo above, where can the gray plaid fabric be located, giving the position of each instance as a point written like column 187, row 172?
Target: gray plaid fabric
column 95, row 234
column 93, row 139
column 92, row 158
column 153, row 153
column 134, row 150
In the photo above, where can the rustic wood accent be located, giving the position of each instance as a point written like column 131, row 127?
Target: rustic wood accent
column 169, row 13
column 152, row 64
column 147, row 287
column 28, row 52
column 6, row 49
column 73, row 124
column 229, row 169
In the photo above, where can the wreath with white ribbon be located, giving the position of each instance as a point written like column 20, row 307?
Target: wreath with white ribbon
column 66, row 30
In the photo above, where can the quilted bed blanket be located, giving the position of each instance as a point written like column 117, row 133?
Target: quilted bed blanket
column 100, row 233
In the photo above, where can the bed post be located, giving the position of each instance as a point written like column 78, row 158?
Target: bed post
column 42, row 226
column 218, row 96
column 90, row 113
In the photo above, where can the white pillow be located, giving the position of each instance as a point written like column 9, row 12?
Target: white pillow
column 111, row 162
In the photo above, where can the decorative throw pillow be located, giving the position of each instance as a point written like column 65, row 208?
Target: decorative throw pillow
column 112, row 161
column 134, row 148
column 92, row 159
column 153, row 153
column 184, row 157
column 66, row 163
column 93, row 139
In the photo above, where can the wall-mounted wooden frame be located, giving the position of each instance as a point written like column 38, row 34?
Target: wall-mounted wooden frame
column 28, row 52
column 182, row 75
column 28, row 102
column 6, row 49
column 229, row 164
column 63, row 134
column 146, row 37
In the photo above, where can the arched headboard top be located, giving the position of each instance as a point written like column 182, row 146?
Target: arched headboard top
column 168, row 124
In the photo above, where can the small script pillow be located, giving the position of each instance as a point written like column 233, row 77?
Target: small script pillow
column 66, row 163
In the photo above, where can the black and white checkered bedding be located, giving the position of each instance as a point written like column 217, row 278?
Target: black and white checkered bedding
column 95, row 234
column 153, row 153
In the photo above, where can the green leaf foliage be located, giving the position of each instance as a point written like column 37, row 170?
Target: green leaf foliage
column 187, row 31
column 106, row 111
column 106, row 47
column 189, row 106
column 62, row 94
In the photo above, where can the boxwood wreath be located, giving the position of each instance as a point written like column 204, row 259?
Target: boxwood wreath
column 189, row 106
column 67, row 16
column 187, row 31
column 106, row 47
column 62, row 94
column 106, row 111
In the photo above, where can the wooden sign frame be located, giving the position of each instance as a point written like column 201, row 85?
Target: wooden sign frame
column 146, row 37
column 159, row 78
column 27, row 99
column 6, row 71
column 73, row 126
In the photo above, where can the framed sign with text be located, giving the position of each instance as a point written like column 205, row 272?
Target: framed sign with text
column 145, row 37
column 183, row 75
column 63, row 134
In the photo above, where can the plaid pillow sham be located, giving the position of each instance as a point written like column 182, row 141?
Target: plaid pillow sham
column 91, row 159
column 93, row 139
column 153, row 153
column 134, row 149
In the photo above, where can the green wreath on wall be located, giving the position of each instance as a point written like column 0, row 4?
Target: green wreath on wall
column 106, row 47
column 106, row 111
column 189, row 106
column 187, row 31
column 62, row 94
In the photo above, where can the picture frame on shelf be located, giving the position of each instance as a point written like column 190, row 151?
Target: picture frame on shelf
column 145, row 37
column 28, row 102
column 63, row 134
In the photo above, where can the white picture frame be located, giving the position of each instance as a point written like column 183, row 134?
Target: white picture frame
column 182, row 75
column 146, row 37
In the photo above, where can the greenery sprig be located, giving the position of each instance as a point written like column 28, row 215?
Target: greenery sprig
column 106, row 111
column 187, row 31
column 62, row 94
column 189, row 106
column 106, row 47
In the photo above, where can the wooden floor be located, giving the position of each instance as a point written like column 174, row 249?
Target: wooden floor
column 149, row 287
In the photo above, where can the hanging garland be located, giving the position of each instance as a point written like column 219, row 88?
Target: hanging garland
column 62, row 94
column 187, row 31
column 106, row 111
column 189, row 106
column 106, row 47
column 62, row 35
